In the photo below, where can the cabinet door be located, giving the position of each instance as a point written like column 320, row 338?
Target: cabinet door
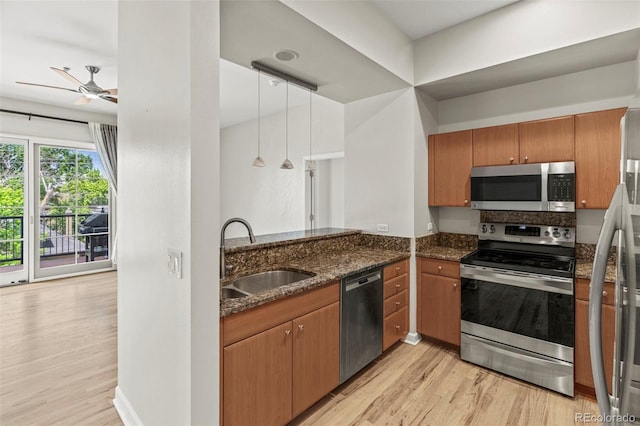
column 451, row 160
column 583, row 374
column 257, row 379
column 396, row 327
column 494, row 146
column 316, row 356
column 597, row 157
column 439, row 308
column 547, row 140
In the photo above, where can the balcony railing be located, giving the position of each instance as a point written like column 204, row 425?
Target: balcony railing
column 58, row 237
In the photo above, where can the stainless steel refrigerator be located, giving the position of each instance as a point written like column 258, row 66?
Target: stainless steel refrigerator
column 622, row 224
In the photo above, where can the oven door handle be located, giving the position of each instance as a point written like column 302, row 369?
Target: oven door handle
column 511, row 350
column 530, row 282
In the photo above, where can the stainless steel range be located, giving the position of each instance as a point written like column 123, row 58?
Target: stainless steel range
column 518, row 303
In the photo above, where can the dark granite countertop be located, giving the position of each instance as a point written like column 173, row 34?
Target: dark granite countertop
column 233, row 245
column 585, row 267
column 327, row 268
column 444, row 253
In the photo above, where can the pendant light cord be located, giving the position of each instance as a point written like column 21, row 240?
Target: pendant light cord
column 287, row 124
column 310, row 128
column 258, row 113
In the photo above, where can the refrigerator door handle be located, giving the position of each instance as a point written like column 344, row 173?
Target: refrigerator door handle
column 630, row 324
column 612, row 219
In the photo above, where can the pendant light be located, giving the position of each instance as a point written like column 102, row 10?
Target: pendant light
column 286, row 164
column 258, row 162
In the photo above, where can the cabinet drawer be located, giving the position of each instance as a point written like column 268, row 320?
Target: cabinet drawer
column 582, row 291
column 441, row 267
column 396, row 269
column 396, row 327
column 396, row 285
column 396, row 302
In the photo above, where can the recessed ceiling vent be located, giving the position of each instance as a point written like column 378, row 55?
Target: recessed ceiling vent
column 286, row 55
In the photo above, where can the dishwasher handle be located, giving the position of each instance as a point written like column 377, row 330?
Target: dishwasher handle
column 362, row 281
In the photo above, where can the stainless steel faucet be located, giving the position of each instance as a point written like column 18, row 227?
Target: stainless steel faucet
column 252, row 239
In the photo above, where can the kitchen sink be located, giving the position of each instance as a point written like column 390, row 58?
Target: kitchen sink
column 264, row 281
column 231, row 293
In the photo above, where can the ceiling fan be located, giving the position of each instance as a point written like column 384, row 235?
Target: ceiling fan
column 90, row 90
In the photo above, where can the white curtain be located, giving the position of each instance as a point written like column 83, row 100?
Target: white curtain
column 105, row 137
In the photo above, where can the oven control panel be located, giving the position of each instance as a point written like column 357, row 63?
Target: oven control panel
column 532, row 234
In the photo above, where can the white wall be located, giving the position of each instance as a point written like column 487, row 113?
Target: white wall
column 272, row 199
column 379, row 137
column 519, row 30
column 426, row 116
column 336, row 219
column 168, row 331
column 45, row 128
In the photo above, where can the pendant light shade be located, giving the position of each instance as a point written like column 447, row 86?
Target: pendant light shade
column 286, row 164
column 258, row 162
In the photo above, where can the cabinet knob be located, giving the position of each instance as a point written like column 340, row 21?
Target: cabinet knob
column 287, row 332
column 604, row 293
column 455, row 285
column 583, row 202
column 397, row 269
column 398, row 327
column 466, row 201
column 397, row 305
column 526, row 158
column 440, row 268
column 300, row 327
column 511, row 159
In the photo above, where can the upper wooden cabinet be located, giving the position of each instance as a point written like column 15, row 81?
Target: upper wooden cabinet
column 597, row 157
column 549, row 140
column 495, row 146
column 450, row 161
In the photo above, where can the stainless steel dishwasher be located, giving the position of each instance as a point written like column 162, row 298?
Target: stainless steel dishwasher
column 360, row 321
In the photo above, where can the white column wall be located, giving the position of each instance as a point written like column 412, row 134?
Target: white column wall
column 167, row 188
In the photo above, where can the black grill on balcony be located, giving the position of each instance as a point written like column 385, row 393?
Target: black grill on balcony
column 96, row 229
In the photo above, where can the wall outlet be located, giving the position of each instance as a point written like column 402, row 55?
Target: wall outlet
column 429, row 226
column 383, row 227
column 174, row 262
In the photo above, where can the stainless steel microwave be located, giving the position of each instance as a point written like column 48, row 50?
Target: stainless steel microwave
column 527, row 187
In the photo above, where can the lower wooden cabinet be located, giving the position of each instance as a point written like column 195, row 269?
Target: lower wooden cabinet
column 272, row 373
column 582, row 356
column 396, row 303
column 439, row 300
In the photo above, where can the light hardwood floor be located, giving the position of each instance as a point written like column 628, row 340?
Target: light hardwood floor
column 58, row 366
column 58, row 352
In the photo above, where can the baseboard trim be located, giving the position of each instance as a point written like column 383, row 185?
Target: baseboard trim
column 413, row 338
column 125, row 410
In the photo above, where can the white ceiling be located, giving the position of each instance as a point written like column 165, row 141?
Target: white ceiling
column 35, row 35
column 419, row 19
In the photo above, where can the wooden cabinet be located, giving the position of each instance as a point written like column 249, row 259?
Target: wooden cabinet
column 597, row 157
column 316, row 356
column 582, row 357
column 494, row 146
column 281, row 357
column 547, row 140
column 396, row 303
column 439, row 300
column 450, row 161
column 257, row 378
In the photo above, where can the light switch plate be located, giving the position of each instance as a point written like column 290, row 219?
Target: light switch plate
column 383, row 227
column 174, row 262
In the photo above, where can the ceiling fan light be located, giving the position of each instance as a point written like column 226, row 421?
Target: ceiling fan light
column 91, row 96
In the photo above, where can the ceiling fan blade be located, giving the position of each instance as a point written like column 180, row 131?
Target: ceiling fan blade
column 83, row 101
column 109, row 98
column 50, row 87
column 113, row 92
column 65, row 74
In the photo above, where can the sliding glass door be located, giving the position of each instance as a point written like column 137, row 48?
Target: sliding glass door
column 54, row 210
column 72, row 211
column 14, row 244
